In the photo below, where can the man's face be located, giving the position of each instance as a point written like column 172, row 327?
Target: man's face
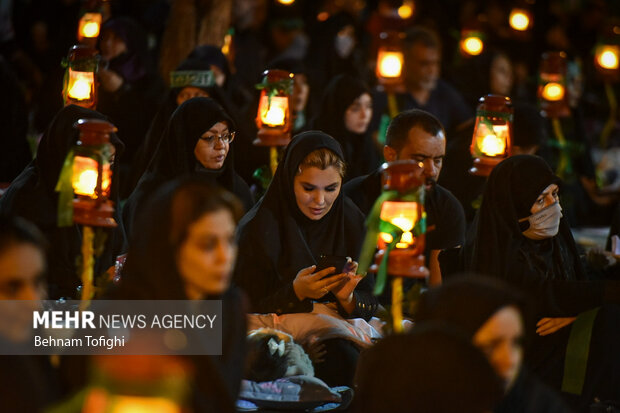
column 424, row 148
column 422, row 67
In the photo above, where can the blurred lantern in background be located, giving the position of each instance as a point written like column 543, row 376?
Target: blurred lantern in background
column 520, row 19
column 492, row 139
column 390, row 60
column 89, row 28
column 397, row 227
column 406, row 10
column 80, row 87
column 472, row 43
column 552, row 85
column 607, row 64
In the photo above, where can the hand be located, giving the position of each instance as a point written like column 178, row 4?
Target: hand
column 311, row 285
column 550, row 325
column 344, row 290
column 110, row 80
column 316, row 351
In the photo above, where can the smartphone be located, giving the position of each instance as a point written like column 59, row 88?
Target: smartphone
column 338, row 262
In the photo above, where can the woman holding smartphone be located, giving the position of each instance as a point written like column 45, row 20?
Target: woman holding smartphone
column 302, row 216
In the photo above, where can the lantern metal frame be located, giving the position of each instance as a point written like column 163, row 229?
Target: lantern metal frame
column 552, row 74
column 390, row 44
column 81, row 59
column 277, row 84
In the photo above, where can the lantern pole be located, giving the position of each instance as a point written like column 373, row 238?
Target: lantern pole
column 389, row 70
column 607, row 63
column 611, row 120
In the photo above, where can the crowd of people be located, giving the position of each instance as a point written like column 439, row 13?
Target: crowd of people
column 513, row 312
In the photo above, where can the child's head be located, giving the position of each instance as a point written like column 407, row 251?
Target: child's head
column 266, row 355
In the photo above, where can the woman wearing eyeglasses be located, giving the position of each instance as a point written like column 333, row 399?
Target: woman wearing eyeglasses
column 197, row 141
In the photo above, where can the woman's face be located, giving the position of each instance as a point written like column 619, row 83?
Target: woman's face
column 358, row 114
column 111, row 45
column 500, row 338
column 547, row 197
column 501, row 78
column 206, row 258
column 190, row 92
column 211, row 150
column 316, row 190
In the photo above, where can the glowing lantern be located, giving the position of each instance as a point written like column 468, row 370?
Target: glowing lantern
column 286, row 2
column 89, row 27
column 390, row 60
column 492, row 139
column 80, row 87
column 91, row 174
column 607, row 61
column 520, row 19
column 471, row 43
column 273, row 119
column 406, row 10
column 552, row 85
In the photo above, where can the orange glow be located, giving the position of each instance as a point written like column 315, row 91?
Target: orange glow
column 472, row 45
column 491, row 142
column 519, row 20
column 406, row 10
column 322, row 16
column 81, row 85
column 553, row 92
column 390, row 64
column 90, row 24
column 85, row 177
column 607, row 57
column 276, row 113
column 402, row 214
column 286, row 2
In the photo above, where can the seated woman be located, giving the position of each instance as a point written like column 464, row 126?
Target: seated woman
column 345, row 114
column 522, row 238
column 197, row 141
column 184, row 248
column 302, row 216
column 27, row 383
column 492, row 316
column 32, row 196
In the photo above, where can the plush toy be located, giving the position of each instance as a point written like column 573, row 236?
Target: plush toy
column 273, row 354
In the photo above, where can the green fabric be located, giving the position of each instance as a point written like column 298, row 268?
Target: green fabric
column 491, row 114
column 197, row 78
column 577, row 350
column 382, row 273
column 64, row 187
column 383, row 126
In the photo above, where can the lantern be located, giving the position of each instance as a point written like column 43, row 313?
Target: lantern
column 91, row 175
column 273, row 119
column 80, row 86
column 390, row 60
column 89, row 27
column 552, row 85
column 492, row 139
column 607, row 61
column 471, row 43
column 405, row 11
column 520, row 19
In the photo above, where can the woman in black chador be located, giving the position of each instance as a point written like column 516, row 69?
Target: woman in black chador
column 32, row 196
column 183, row 248
column 345, row 114
column 197, row 141
column 522, row 238
column 304, row 215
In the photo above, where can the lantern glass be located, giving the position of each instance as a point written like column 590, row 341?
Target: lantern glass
column 607, row 57
column 81, row 85
column 519, row 19
column 85, row 176
column 89, row 27
column 390, row 64
column 491, row 140
column 553, row 90
column 402, row 214
column 274, row 113
column 472, row 45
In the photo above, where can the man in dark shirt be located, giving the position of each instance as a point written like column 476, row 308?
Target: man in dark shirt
column 418, row 135
column 423, row 89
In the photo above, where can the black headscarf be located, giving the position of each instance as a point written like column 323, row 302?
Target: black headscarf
column 359, row 152
column 32, row 196
column 467, row 302
column 133, row 64
column 511, row 190
column 432, row 369
column 278, row 234
column 175, row 157
column 211, row 55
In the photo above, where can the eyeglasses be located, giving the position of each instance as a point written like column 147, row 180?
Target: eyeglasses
column 226, row 137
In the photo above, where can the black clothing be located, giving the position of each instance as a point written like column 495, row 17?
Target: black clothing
column 445, row 220
column 444, row 102
column 360, row 154
column 32, row 196
column 175, row 156
column 530, row 395
column 15, row 154
column 276, row 240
